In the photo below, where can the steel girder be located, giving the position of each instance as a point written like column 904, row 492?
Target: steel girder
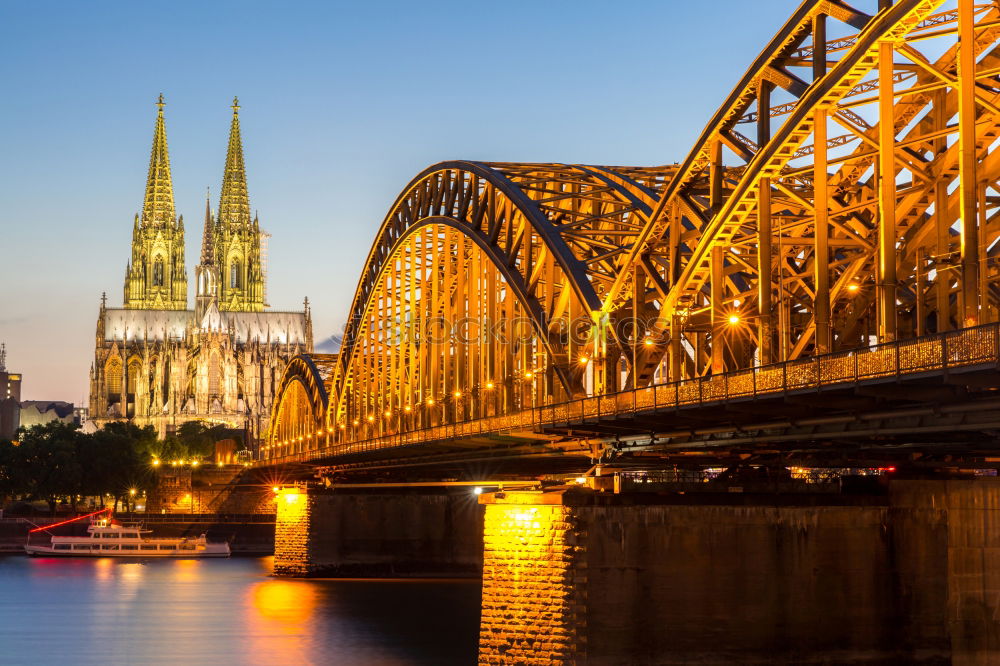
column 300, row 403
column 772, row 270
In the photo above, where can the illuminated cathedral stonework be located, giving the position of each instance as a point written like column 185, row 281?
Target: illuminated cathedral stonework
column 157, row 362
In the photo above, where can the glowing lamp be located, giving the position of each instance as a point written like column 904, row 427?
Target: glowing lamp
column 407, row 409
column 477, row 490
column 430, row 402
column 528, row 374
column 387, row 413
column 489, row 385
column 457, row 394
column 584, row 360
column 371, row 419
column 734, row 319
column 648, row 342
column 342, row 426
column 194, row 463
column 156, row 462
column 853, row 288
column 275, row 489
column 132, row 492
column 355, row 422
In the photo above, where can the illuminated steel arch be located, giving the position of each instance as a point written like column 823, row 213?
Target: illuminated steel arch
column 863, row 210
column 480, row 292
column 858, row 213
column 300, row 404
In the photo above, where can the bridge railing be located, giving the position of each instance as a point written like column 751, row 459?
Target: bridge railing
column 934, row 353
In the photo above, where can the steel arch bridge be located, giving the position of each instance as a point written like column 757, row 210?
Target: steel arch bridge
column 842, row 200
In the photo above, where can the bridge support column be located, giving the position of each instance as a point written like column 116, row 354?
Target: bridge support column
column 911, row 574
column 534, row 579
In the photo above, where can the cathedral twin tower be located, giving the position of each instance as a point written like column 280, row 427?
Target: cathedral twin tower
column 158, row 363
column 230, row 271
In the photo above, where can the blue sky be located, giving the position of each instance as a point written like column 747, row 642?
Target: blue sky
column 342, row 105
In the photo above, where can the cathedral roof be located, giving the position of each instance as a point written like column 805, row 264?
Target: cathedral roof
column 151, row 324
column 276, row 326
column 155, row 325
column 212, row 320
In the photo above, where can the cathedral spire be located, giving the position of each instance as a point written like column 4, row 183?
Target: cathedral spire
column 158, row 207
column 155, row 278
column 208, row 237
column 234, row 202
column 237, row 237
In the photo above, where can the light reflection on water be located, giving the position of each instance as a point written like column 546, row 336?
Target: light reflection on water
column 109, row 611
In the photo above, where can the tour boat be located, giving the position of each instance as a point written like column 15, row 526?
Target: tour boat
column 106, row 538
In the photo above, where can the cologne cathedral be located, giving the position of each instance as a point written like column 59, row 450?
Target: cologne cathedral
column 159, row 363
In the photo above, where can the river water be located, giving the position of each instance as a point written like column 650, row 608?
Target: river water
column 226, row 611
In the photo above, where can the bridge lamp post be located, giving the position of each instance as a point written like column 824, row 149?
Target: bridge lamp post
column 489, row 386
column 529, row 383
column 458, row 404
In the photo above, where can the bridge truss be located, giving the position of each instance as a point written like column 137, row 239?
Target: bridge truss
column 843, row 196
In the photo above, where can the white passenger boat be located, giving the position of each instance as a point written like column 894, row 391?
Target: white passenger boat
column 105, row 538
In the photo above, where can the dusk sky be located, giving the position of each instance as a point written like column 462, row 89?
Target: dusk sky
column 342, row 104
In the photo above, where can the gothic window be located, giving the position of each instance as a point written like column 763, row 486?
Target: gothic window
column 158, row 272
column 114, row 380
column 214, row 375
column 133, row 378
column 234, row 275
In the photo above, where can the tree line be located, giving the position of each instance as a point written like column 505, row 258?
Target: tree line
column 57, row 462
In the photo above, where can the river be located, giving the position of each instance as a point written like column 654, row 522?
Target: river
column 107, row 611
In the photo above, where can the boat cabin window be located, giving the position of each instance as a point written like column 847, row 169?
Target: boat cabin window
column 149, row 546
column 62, row 546
column 187, row 546
column 109, row 546
column 166, row 547
column 110, row 535
column 130, row 535
column 81, row 546
column 129, row 546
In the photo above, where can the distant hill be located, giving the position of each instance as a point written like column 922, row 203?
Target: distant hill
column 329, row 344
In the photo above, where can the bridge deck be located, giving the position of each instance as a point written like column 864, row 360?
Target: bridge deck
column 697, row 411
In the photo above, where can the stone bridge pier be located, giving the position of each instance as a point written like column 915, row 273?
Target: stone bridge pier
column 574, row 576
column 378, row 532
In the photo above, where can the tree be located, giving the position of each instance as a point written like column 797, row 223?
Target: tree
column 11, row 483
column 48, row 463
column 119, row 455
column 199, row 438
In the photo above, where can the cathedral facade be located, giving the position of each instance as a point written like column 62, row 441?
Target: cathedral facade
column 158, row 363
